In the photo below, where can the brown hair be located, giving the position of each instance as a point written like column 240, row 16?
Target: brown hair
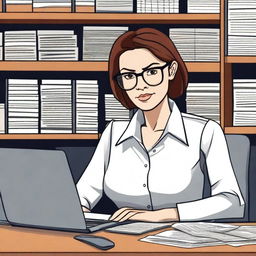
column 157, row 43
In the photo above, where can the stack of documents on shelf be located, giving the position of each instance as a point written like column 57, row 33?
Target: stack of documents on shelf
column 241, row 27
column 56, row 106
column 157, row 6
column 85, row 5
column 1, row 46
column 197, row 44
column 201, row 234
column 2, row 118
column 244, row 102
column 203, row 99
column 23, row 105
column 114, row 109
column 87, row 106
column 203, row 6
column 98, row 41
column 57, row 45
column 51, row 6
column 18, row 5
column 114, row 6
column 20, row 45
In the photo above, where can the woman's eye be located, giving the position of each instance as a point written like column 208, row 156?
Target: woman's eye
column 152, row 72
column 129, row 76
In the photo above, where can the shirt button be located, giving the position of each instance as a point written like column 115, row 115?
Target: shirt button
column 144, row 185
column 145, row 165
column 149, row 206
column 154, row 150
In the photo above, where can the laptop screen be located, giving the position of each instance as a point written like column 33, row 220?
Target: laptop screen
column 38, row 190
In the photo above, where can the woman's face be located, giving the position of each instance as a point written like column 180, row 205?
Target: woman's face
column 152, row 88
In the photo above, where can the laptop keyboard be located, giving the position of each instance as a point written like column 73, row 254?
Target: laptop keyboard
column 95, row 222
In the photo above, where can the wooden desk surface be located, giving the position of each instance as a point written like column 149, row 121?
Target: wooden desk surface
column 24, row 241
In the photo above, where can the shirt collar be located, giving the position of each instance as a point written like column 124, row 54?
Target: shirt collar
column 174, row 126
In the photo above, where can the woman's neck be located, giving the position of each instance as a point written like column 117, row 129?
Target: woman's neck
column 157, row 118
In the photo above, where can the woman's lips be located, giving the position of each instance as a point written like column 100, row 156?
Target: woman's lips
column 145, row 97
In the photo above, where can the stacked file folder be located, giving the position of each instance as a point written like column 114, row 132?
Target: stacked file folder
column 87, row 106
column 20, row 45
column 241, row 27
column 203, row 99
column 114, row 6
column 203, row 6
column 196, row 44
column 1, row 46
column 114, row 110
column 18, row 5
column 52, row 6
column 56, row 106
column 85, row 5
column 2, row 118
column 98, row 40
column 244, row 102
column 23, row 105
column 57, row 45
column 157, row 6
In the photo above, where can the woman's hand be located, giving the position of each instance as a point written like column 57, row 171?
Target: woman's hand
column 163, row 215
column 85, row 209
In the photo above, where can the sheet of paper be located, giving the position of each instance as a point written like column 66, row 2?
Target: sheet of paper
column 137, row 228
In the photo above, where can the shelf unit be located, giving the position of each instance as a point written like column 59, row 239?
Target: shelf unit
column 224, row 67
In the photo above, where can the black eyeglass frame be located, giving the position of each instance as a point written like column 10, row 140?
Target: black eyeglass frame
column 141, row 74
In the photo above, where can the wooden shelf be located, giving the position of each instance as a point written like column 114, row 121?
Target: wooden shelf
column 88, row 66
column 240, row 130
column 240, row 59
column 108, row 18
column 49, row 136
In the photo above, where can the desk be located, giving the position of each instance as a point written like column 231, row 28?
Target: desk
column 24, row 241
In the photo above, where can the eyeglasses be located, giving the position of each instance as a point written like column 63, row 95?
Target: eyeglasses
column 151, row 76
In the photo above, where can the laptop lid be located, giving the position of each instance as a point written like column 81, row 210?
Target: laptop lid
column 37, row 190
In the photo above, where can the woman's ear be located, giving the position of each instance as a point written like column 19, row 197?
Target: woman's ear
column 173, row 69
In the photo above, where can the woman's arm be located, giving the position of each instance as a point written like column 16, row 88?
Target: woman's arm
column 90, row 185
column 226, row 200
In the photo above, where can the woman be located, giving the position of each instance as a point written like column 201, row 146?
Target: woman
column 150, row 166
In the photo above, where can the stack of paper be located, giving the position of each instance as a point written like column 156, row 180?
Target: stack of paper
column 20, row 45
column 18, row 5
column 85, row 5
column 201, row 234
column 114, row 109
column 241, row 27
column 114, row 6
column 57, row 45
column 87, row 106
column 244, row 102
column 56, row 106
column 203, row 6
column 203, row 99
column 23, row 105
column 52, row 6
column 98, row 41
column 157, row 6
column 1, row 46
column 2, row 118
column 196, row 44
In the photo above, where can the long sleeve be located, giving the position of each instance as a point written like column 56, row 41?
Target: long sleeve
column 226, row 200
column 90, row 185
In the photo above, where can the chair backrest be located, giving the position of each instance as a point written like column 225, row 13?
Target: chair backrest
column 239, row 151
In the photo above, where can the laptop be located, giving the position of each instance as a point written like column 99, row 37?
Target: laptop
column 37, row 190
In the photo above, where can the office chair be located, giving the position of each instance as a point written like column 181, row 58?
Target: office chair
column 239, row 152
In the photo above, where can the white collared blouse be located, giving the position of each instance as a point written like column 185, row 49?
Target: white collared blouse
column 169, row 174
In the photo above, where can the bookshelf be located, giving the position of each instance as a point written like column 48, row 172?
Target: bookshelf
column 223, row 67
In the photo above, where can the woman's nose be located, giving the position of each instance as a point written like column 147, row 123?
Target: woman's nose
column 141, row 85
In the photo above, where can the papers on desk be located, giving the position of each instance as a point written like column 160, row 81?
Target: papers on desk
column 201, row 234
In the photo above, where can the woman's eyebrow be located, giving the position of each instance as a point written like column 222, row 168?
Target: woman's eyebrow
column 128, row 69
column 150, row 65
